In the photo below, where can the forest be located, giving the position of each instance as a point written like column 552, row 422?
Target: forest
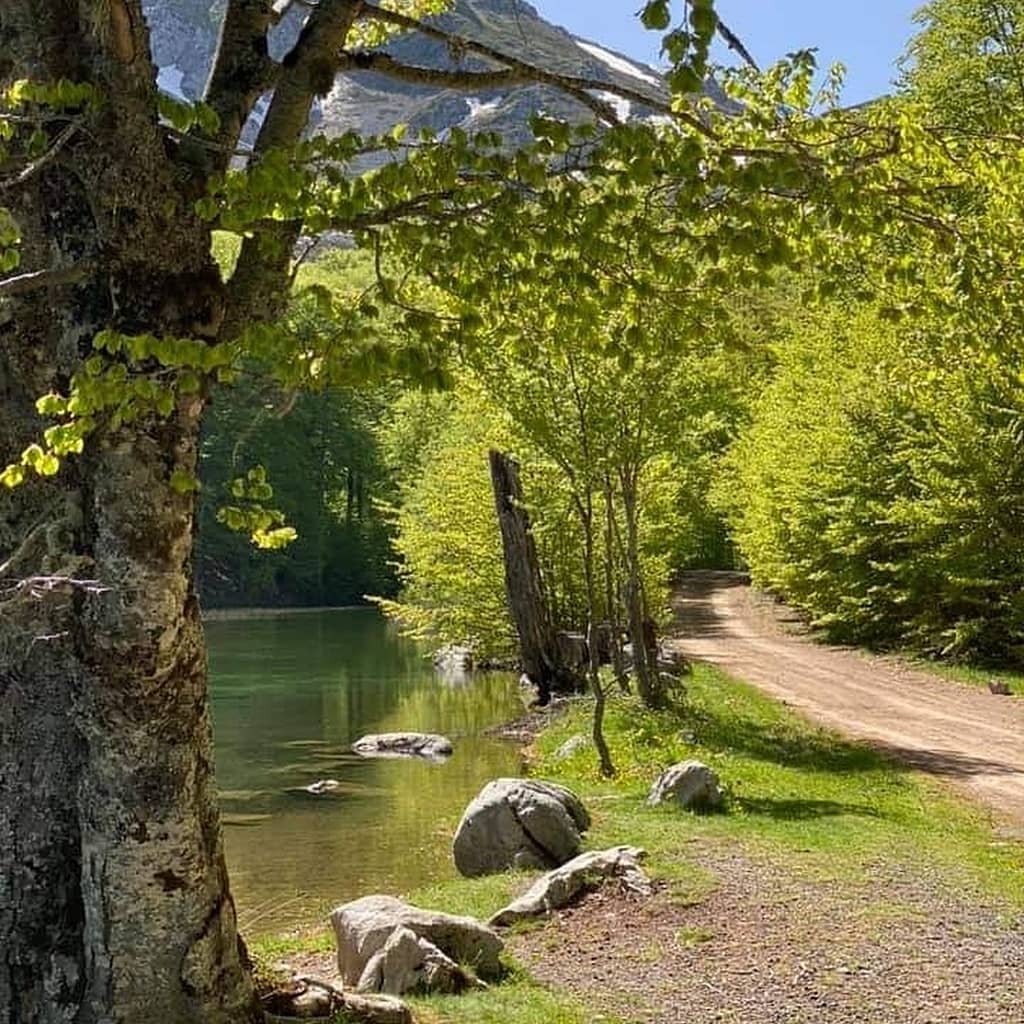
column 715, row 318
column 844, row 420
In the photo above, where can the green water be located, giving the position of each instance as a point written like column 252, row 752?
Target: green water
column 290, row 694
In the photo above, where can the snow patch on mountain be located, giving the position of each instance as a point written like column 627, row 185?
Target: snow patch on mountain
column 623, row 108
column 480, row 108
column 620, row 64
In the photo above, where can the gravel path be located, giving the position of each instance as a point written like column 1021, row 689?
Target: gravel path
column 765, row 948
column 960, row 733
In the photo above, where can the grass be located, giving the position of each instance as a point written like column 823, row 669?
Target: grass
column 825, row 808
column 828, row 807
column 518, row 1000
column 971, row 675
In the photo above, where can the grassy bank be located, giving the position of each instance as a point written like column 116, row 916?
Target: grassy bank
column 970, row 675
column 824, row 808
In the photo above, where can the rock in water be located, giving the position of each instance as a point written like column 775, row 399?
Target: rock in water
column 453, row 663
column 691, row 784
column 322, row 786
column 519, row 823
column 560, row 887
column 403, row 744
column 385, row 945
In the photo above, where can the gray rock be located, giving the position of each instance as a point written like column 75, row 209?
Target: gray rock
column 672, row 662
column 560, row 887
column 407, row 963
column 571, row 746
column 519, row 823
column 403, row 744
column 387, row 945
column 312, row 999
column 322, row 786
column 453, row 663
column 691, row 784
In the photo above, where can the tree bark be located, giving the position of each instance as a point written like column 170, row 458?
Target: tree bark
column 114, row 902
column 644, row 665
column 524, row 589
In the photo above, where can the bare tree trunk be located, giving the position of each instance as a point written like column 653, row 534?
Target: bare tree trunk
column 611, row 597
column 539, row 653
column 586, row 513
column 644, row 665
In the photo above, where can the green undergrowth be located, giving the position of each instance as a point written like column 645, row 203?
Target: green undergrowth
column 828, row 807
column 800, row 797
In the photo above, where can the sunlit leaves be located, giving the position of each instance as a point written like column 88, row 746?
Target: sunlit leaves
column 265, row 526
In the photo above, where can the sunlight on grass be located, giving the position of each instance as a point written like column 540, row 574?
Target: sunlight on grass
column 832, row 808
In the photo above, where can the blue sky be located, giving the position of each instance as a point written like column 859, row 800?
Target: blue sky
column 867, row 36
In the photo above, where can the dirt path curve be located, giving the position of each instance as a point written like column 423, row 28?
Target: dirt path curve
column 964, row 734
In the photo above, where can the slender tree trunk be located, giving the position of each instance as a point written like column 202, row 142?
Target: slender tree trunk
column 611, row 597
column 644, row 665
column 586, row 513
column 524, row 588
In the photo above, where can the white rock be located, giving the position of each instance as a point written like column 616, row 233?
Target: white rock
column 385, row 945
column 690, row 784
column 560, row 887
column 519, row 823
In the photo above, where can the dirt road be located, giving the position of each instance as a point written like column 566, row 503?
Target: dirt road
column 960, row 733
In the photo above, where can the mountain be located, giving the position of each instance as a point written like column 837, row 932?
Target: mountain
column 185, row 32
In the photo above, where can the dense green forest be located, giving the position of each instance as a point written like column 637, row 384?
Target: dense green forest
column 848, row 427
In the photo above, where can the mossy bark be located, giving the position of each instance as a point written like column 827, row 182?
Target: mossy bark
column 114, row 900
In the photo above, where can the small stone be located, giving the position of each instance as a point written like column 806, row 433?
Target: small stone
column 322, row 786
column 691, row 784
column 571, row 746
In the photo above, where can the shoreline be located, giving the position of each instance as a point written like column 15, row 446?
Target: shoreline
column 241, row 614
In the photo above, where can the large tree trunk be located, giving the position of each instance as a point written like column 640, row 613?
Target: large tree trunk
column 538, row 649
column 114, row 903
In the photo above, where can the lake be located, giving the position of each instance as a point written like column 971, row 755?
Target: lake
column 290, row 694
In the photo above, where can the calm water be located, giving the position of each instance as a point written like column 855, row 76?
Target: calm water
column 290, row 694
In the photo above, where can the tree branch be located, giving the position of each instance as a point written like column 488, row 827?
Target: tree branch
column 385, row 64
column 21, row 284
column 243, row 69
column 58, row 144
column 735, row 44
column 258, row 287
column 578, row 88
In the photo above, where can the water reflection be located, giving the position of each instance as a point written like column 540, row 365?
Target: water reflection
column 290, row 694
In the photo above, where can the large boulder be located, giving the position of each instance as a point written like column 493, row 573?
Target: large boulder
column 385, row 945
column 519, row 823
column 690, row 784
column 403, row 744
column 560, row 887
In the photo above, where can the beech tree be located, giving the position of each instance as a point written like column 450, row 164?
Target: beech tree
column 115, row 325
